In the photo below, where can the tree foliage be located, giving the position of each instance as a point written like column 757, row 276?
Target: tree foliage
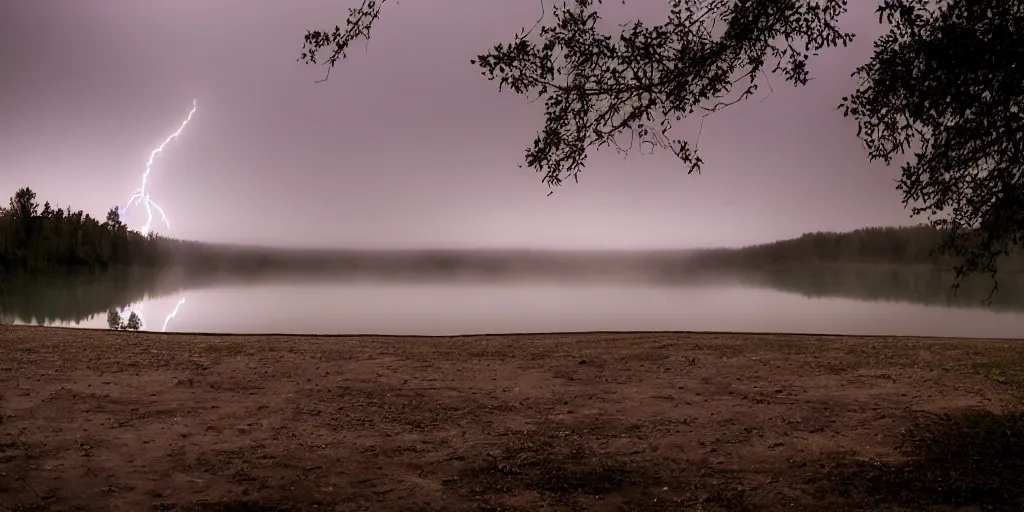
column 39, row 240
column 627, row 89
column 116, row 322
column 904, row 247
column 946, row 86
column 134, row 322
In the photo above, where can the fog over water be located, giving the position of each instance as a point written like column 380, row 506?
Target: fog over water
column 474, row 293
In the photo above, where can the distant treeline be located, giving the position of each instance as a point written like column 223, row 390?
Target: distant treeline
column 899, row 246
column 38, row 239
column 915, row 246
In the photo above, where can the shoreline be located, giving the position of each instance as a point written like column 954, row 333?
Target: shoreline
column 112, row 420
column 207, row 334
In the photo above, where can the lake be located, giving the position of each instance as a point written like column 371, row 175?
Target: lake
column 838, row 301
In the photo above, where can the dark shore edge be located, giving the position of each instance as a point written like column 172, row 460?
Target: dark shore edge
column 517, row 334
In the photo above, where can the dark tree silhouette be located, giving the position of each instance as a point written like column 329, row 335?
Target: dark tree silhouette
column 38, row 241
column 134, row 323
column 905, row 247
column 114, row 319
column 23, row 205
column 116, row 322
column 946, row 84
column 627, row 90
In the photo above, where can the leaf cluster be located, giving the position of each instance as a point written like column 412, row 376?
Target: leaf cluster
column 36, row 239
column 946, row 86
column 943, row 93
column 116, row 322
column 627, row 87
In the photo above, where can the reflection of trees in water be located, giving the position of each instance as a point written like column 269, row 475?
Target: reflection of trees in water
column 75, row 299
column 130, row 317
column 918, row 285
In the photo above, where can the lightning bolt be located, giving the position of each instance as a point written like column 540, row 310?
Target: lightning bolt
column 141, row 195
column 137, row 309
column 173, row 313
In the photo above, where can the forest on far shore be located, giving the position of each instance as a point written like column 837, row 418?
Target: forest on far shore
column 37, row 239
column 40, row 239
column 897, row 246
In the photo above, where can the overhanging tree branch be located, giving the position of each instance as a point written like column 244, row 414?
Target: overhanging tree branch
column 944, row 86
column 638, row 82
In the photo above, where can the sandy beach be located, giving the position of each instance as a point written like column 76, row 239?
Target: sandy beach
column 99, row 420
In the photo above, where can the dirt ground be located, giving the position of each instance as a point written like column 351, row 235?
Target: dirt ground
column 98, row 420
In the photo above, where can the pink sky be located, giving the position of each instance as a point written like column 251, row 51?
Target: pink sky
column 406, row 145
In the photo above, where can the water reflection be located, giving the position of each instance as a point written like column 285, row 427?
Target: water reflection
column 115, row 316
column 875, row 299
column 924, row 286
column 80, row 300
column 445, row 308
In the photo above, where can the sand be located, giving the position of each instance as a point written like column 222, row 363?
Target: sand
column 99, row 420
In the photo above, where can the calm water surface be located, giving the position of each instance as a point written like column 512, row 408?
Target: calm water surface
column 460, row 308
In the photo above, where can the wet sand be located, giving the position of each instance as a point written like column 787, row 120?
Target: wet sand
column 99, row 420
